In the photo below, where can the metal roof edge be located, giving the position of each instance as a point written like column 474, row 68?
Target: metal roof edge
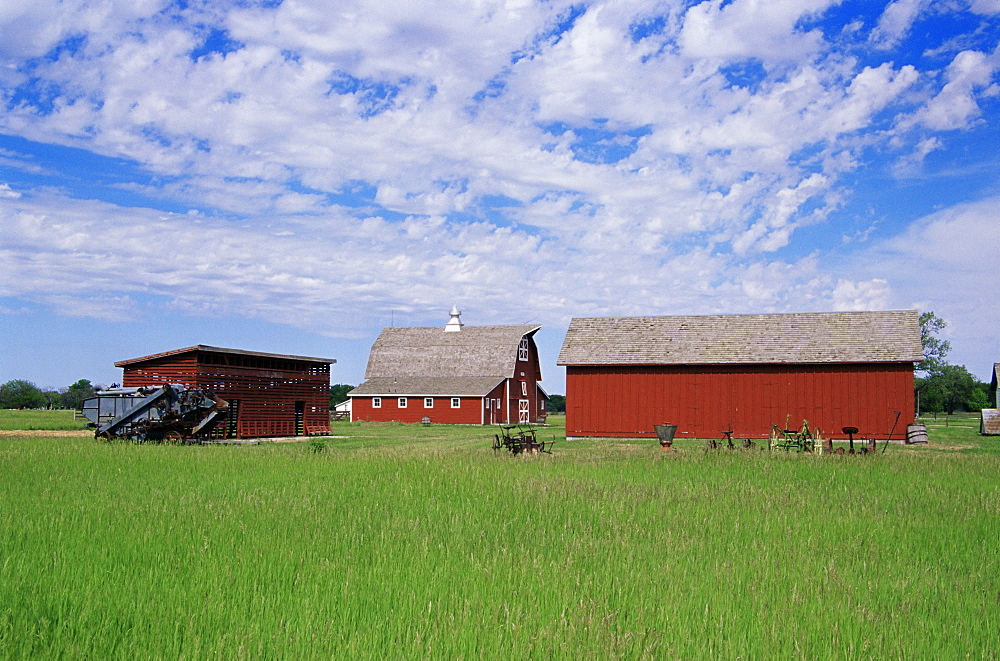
column 211, row 349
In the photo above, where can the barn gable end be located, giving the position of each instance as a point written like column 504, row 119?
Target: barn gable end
column 457, row 374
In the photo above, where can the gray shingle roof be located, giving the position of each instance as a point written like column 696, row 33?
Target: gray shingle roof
column 455, row 386
column 812, row 337
column 431, row 352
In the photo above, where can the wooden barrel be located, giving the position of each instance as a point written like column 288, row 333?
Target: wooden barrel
column 916, row 433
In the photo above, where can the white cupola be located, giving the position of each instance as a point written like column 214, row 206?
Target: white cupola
column 455, row 323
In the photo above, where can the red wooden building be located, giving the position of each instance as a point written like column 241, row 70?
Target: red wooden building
column 708, row 374
column 268, row 394
column 457, row 374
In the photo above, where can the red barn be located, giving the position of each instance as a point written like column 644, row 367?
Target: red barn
column 707, row 374
column 457, row 374
column 268, row 394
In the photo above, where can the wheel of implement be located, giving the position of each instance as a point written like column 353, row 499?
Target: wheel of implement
column 172, row 436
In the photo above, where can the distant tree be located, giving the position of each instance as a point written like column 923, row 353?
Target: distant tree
column 929, row 396
column 53, row 399
column 556, row 404
column 956, row 385
column 979, row 399
column 19, row 394
column 935, row 349
column 74, row 395
column 338, row 393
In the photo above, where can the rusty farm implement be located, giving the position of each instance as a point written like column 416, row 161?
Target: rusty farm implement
column 167, row 413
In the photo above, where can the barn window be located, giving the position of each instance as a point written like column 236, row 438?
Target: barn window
column 376, row 402
column 488, row 400
column 455, row 402
column 524, row 389
column 428, row 402
column 522, row 350
column 402, row 402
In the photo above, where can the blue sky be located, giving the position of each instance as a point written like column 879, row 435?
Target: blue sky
column 287, row 177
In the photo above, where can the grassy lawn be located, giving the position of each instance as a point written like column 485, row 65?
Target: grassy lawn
column 32, row 420
column 411, row 542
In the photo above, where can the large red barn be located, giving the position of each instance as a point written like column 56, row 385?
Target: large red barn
column 708, row 374
column 454, row 374
column 268, row 394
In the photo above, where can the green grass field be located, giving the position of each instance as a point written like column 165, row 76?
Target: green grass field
column 41, row 420
column 411, row 542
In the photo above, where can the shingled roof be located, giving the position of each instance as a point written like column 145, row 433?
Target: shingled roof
column 812, row 337
column 452, row 386
column 475, row 351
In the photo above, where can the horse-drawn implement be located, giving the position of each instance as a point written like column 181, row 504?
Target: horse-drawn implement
column 518, row 439
column 804, row 439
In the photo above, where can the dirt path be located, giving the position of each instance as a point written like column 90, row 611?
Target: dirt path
column 76, row 433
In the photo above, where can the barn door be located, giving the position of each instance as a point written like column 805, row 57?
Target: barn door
column 523, row 411
column 233, row 419
column 300, row 418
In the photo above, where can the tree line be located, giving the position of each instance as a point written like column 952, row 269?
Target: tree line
column 21, row 394
column 943, row 387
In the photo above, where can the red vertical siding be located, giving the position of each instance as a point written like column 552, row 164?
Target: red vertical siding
column 705, row 400
column 267, row 389
column 468, row 413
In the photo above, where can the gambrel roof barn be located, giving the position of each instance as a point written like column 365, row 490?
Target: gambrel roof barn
column 707, row 373
column 453, row 374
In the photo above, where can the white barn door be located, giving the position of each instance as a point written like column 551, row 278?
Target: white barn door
column 523, row 412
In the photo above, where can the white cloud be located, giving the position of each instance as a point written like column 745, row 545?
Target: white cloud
column 955, row 105
column 874, row 294
column 749, row 28
column 657, row 171
column 985, row 6
column 895, row 22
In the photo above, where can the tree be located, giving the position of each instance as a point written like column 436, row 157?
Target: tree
column 929, row 397
column 556, row 404
column 978, row 400
column 956, row 385
column 19, row 394
column 76, row 393
column 338, row 393
column 53, row 399
column 935, row 349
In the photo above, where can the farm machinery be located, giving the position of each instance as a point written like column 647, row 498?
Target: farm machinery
column 167, row 413
column 518, row 439
column 805, row 439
